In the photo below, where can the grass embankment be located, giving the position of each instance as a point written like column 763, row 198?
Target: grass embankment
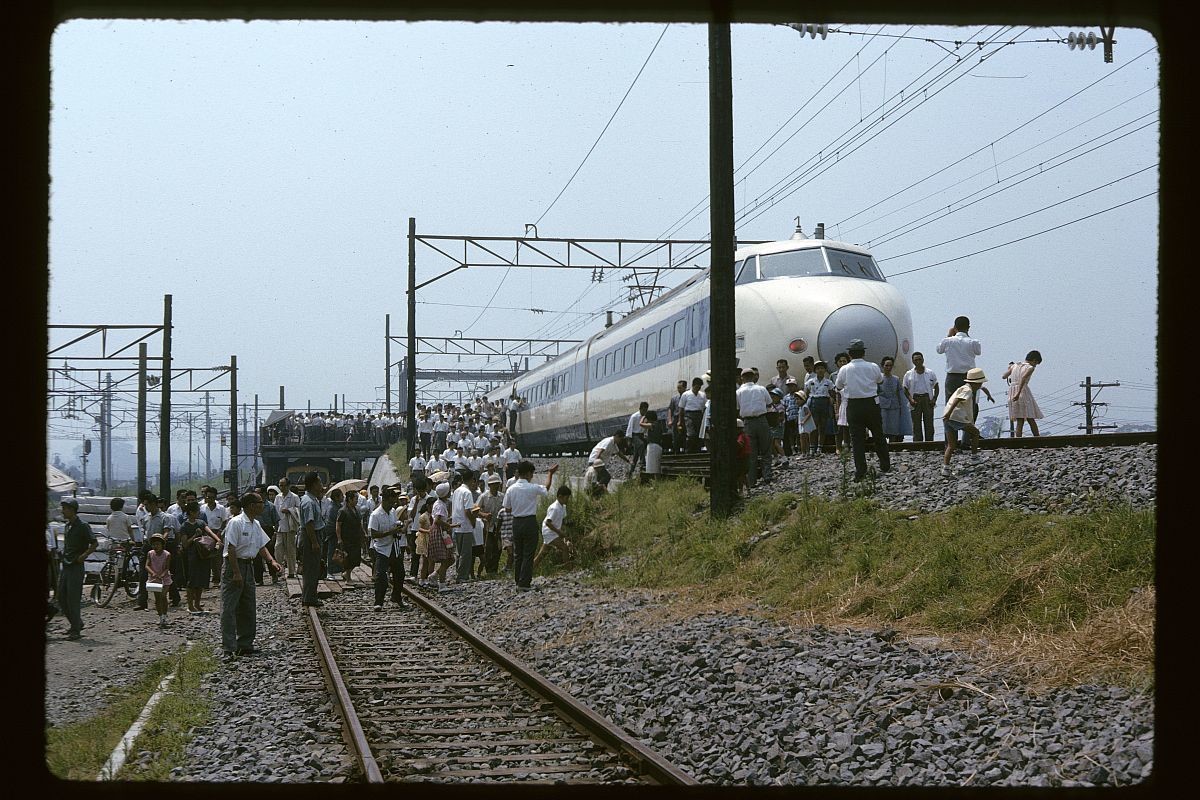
column 1064, row 597
column 78, row 751
column 398, row 453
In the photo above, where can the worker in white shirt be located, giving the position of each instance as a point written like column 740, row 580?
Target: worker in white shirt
column 634, row 435
column 598, row 474
column 511, row 457
column 244, row 540
column 416, row 467
column 463, row 515
column 692, row 404
column 521, row 499
column 753, row 402
column 921, row 389
column 859, row 381
column 960, row 350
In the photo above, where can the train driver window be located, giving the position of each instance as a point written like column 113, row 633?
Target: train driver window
column 794, row 263
column 855, row 264
column 747, row 272
column 664, row 340
column 679, row 333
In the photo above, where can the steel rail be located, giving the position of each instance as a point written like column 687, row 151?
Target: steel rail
column 357, row 738
column 647, row 760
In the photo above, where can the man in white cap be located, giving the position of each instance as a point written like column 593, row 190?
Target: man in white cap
column 753, row 402
column 859, row 382
column 489, row 507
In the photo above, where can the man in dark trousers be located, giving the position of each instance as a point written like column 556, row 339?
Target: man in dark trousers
column 268, row 520
column 860, row 380
column 312, row 525
column 78, row 543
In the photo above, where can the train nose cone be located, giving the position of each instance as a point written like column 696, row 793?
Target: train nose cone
column 857, row 322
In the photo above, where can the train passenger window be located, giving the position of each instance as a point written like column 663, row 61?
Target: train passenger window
column 664, row 340
column 794, row 263
column 679, row 333
column 650, row 346
column 697, row 322
column 620, row 354
column 639, row 351
column 610, row 363
column 596, row 368
column 855, row 264
column 628, row 360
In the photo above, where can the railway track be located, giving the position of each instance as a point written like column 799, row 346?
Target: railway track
column 423, row 697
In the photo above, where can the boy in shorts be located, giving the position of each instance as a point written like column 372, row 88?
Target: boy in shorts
column 959, row 415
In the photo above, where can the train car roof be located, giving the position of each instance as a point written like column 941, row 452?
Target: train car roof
column 766, row 248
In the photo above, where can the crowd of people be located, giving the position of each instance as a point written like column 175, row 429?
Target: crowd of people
column 330, row 426
column 854, row 405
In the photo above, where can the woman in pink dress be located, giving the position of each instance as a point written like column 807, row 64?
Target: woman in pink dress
column 1021, row 404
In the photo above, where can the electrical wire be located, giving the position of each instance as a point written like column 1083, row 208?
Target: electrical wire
column 1024, row 238
column 1023, row 216
column 606, row 125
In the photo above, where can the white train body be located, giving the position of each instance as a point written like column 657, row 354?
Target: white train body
column 792, row 298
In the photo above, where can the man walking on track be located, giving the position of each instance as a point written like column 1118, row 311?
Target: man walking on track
column 244, row 541
column 312, row 525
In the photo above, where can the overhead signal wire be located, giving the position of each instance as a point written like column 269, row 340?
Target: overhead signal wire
column 1015, row 219
column 989, row 168
column 607, row 124
column 701, row 205
column 787, row 185
column 799, row 181
column 1024, row 238
column 992, row 190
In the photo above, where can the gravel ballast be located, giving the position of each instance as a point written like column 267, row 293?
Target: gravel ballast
column 733, row 699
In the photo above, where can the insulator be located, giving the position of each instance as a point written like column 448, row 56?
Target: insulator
column 1091, row 41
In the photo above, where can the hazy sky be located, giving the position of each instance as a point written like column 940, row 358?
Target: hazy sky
column 263, row 174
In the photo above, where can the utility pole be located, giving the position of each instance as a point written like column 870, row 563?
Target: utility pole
column 722, row 492
column 141, row 420
column 106, row 434
column 410, row 407
column 233, row 448
column 1088, row 404
column 164, row 424
column 281, row 398
column 256, row 437
column 191, row 424
column 387, row 363
column 207, row 435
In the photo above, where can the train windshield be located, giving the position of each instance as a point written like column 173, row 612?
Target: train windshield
column 812, row 261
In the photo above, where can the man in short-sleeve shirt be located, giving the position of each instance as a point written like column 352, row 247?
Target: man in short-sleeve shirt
column 312, row 526
column 244, row 540
column 521, row 500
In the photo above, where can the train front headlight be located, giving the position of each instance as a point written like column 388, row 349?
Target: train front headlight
column 798, row 346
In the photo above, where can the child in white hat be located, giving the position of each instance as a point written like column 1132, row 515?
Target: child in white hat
column 959, row 415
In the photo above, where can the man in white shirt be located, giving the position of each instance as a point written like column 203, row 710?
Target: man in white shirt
column 634, row 435
column 598, row 459
column 416, row 467
column 921, row 389
column 692, row 404
column 960, row 351
column 216, row 516
column 753, row 401
column 521, row 499
column 859, row 381
column 511, row 457
column 383, row 531
column 675, row 419
column 244, row 540
column 463, row 516
column 288, row 506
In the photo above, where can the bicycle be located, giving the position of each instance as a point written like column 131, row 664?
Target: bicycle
column 121, row 569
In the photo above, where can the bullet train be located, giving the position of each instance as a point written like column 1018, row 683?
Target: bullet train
column 795, row 298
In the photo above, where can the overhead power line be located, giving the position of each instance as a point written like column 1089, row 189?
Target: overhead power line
column 1023, row 216
column 1024, row 238
column 606, row 125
